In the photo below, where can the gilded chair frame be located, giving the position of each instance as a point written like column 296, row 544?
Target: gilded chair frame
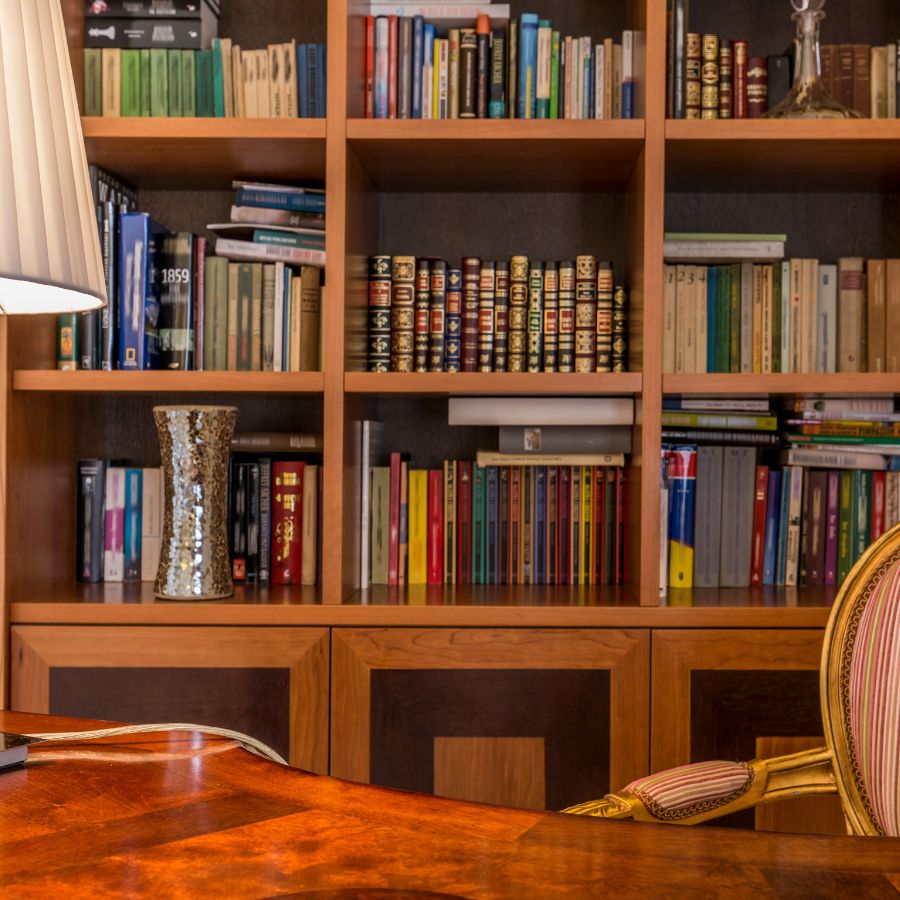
column 825, row 770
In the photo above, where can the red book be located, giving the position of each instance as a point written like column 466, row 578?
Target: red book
column 287, row 522
column 760, row 496
column 515, row 488
column 740, row 80
column 471, row 300
column 392, row 67
column 394, row 525
column 370, row 67
column 879, row 486
column 757, row 86
column 597, row 524
column 562, row 540
column 435, row 526
column 464, row 523
column 621, row 563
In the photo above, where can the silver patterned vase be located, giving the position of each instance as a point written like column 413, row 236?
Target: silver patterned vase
column 194, row 443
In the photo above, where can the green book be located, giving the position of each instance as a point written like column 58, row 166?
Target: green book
column 845, row 525
column 716, row 236
column 554, row 76
column 145, row 82
column 244, row 317
column 188, row 85
column 862, row 494
column 93, row 83
column 130, row 98
column 173, row 57
column 776, row 317
column 289, row 239
column 722, row 338
column 203, row 74
column 477, row 525
column 218, row 79
column 159, row 83
column 215, row 314
column 734, row 320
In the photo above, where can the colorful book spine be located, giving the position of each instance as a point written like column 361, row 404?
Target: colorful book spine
column 403, row 284
column 437, row 316
column 287, row 523
column 682, row 497
column 567, row 316
column 486, row 315
column 527, row 87
column 518, row 313
column 471, row 281
column 551, row 317
column 418, row 527
column 131, row 535
column 453, row 338
column 585, row 313
column 773, row 507
column 140, row 239
column 421, row 321
column 379, row 313
column 501, row 317
column 535, row 318
column 604, row 318
column 435, row 550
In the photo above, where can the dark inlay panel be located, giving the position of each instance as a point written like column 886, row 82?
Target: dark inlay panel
column 730, row 709
column 570, row 709
column 252, row 701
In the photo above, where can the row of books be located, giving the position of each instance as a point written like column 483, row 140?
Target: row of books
column 282, row 81
column 798, row 315
column 521, row 316
column 487, row 522
column 494, row 67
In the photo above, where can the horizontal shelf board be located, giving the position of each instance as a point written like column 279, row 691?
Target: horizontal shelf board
column 206, row 153
column 832, row 385
column 497, row 154
column 467, row 383
column 165, row 382
column 747, row 155
column 492, row 607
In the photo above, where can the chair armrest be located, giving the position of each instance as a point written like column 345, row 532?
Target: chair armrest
column 695, row 793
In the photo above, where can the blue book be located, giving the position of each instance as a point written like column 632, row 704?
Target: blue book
column 315, row 79
column 322, row 81
column 418, row 57
column 492, row 524
column 528, row 29
column 302, row 82
column 589, row 82
column 453, row 321
column 773, row 508
column 783, row 516
column 132, row 531
column 428, row 63
column 278, row 199
column 711, row 318
column 540, row 525
column 140, row 241
column 382, row 66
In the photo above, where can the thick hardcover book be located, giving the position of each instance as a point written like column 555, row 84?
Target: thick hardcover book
column 403, row 283
column 708, row 519
column 188, row 83
column 534, row 358
column 379, row 526
column 879, row 487
column 563, row 525
column 177, row 302
column 604, row 318
column 862, row 515
column 151, row 522
column 783, row 517
column 471, row 280
column 418, row 50
column 163, row 9
column 204, row 99
column 437, row 315
column 738, row 497
column 91, row 520
column 267, row 331
column 482, row 65
column 567, row 308
column 876, row 318
column 300, row 200
column 677, row 51
column 551, row 317
column 693, row 65
column 216, row 315
column 503, row 531
column 852, row 309
column 770, row 549
column 512, row 69
column 464, row 523
column 264, row 535
column 287, row 522
column 198, row 284
column 539, row 544
column 254, row 251
column 620, row 551
column 310, row 542
column 740, row 80
column 140, row 240
column 393, row 45
column 497, row 102
column 862, row 80
column 93, row 83
column 486, row 311
column 585, row 313
column 453, row 332
column 114, row 526
column 757, row 86
column 709, row 76
column 176, row 94
column 758, row 546
column 131, row 540
column 526, row 525
column 726, row 80
column 418, row 526
column 518, row 313
column 253, row 522
column 515, row 524
column 620, row 329
column 527, row 76
column 468, row 82
column 435, row 550
column 892, row 333
column 237, row 521
column 501, row 317
column 422, row 303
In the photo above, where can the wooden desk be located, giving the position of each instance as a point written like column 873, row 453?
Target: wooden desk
column 175, row 815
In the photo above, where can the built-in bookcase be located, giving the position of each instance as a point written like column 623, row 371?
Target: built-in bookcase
column 546, row 188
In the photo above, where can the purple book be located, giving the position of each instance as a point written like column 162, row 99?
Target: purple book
column 831, row 527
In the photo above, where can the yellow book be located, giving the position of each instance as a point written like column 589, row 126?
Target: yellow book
column 310, row 503
column 418, row 526
column 586, row 557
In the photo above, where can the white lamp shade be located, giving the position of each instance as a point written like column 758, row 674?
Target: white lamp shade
column 49, row 245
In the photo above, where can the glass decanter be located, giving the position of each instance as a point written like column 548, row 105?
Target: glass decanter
column 807, row 98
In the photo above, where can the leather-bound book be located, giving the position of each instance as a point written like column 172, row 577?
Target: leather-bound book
column 757, row 86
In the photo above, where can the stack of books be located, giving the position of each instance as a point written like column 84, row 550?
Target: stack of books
column 486, row 316
column 468, row 61
column 144, row 58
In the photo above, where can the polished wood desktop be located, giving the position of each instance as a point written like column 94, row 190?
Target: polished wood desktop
column 177, row 815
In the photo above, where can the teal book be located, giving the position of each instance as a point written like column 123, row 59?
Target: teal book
column 478, row 521
column 188, row 84
column 130, row 98
column 315, row 241
column 734, row 323
column 145, row 83
column 862, row 493
column 218, row 79
column 723, row 319
column 203, row 74
column 776, row 317
column 554, row 75
column 159, row 83
column 132, row 530
column 173, row 58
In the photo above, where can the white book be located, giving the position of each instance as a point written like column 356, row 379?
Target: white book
column 669, row 301
column 568, row 85
column 278, row 339
column 151, row 522
column 785, row 317
column 542, row 86
column 253, row 252
column 448, row 15
column 892, row 81
column 599, row 80
column 114, row 532
column 263, row 105
column 746, row 318
column 706, row 251
column 370, row 434
column 248, row 67
column 824, row 457
column 490, row 411
column 443, row 76
column 809, row 289
column 681, row 309
column 701, row 313
column 826, row 333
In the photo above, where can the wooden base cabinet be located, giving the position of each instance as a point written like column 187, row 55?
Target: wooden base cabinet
column 739, row 694
column 535, row 718
column 271, row 683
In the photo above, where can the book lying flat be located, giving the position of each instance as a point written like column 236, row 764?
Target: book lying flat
column 540, row 411
column 254, row 252
column 492, row 458
column 14, row 748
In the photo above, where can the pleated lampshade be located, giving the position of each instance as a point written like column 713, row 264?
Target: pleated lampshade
column 49, row 245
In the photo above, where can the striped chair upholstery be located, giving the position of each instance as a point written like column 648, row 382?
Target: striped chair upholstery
column 689, row 790
column 871, row 695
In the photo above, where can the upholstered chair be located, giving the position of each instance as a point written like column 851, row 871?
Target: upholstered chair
column 860, row 696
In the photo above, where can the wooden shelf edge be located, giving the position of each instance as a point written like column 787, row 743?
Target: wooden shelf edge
column 153, row 381
column 162, row 129
column 855, row 130
column 523, row 383
column 496, row 129
column 832, row 384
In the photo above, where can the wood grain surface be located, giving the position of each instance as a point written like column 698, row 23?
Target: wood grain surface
column 177, row 816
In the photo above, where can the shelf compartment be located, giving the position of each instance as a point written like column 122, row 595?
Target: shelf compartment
column 206, row 153
column 474, row 383
column 497, row 154
column 758, row 154
column 164, row 382
column 832, row 384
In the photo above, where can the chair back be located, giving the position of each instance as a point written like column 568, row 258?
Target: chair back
column 860, row 689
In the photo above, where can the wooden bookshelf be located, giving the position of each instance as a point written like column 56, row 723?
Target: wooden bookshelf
column 844, row 384
column 174, row 382
column 472, row 383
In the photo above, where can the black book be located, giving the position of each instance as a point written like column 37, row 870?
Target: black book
column 421, row 320
column 497, row 103
column 238, row 519
column 437, row 316
column 169, row 9
column 265, row 519
column 468, row 50
column 149, row 33
column 779, row 79
column 252, row 521
column 176, row 302
column 90, row 520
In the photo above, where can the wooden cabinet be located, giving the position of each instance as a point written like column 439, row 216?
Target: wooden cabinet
column 539, row 718
column 271, row 683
